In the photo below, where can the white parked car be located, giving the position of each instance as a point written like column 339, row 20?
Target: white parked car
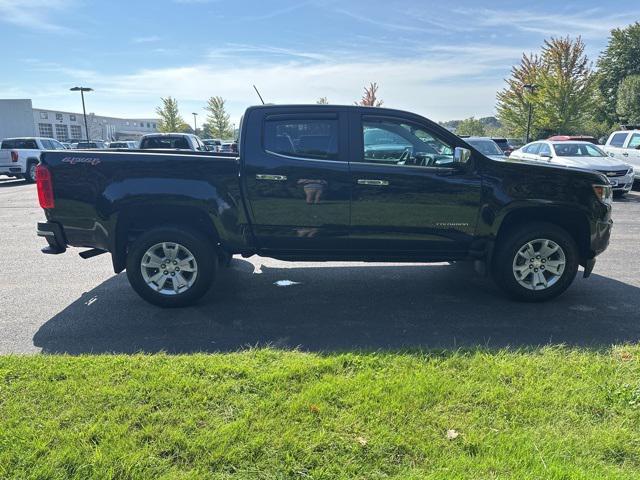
column 625, row 145
column 583, row 155
column 20, row 156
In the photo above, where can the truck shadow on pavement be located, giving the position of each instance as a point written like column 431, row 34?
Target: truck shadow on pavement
column 344, row 308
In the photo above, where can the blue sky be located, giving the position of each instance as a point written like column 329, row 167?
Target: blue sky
column 445, row 60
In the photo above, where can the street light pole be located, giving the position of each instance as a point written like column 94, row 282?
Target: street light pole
column 195, row 123
column 84, row 111
column 531, row 88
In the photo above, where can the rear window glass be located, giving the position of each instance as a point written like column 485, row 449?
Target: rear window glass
column 19, row 143
column 165, row 142
column 618, row 139
column 302, row 138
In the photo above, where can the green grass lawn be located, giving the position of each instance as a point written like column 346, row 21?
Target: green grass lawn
column 553, row 413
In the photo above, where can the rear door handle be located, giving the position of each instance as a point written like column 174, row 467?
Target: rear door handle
column 625, row 154
column 379, row 183
column 275, row 178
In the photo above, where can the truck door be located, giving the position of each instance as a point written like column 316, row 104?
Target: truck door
column 407, row 194
column 633, row 151
column 296, row 178
column 615, row 145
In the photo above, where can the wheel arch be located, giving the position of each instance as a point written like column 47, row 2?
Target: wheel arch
column 573, row 221
column 135, row 220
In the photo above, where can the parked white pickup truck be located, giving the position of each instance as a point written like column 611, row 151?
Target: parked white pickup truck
column 20, row 156
column 625, row 145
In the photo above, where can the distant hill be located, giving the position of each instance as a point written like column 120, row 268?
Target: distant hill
column 492, row 123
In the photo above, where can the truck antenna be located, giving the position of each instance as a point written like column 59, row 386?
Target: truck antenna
column 254, row 87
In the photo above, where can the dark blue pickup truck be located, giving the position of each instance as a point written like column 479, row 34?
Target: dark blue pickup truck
column 323, row 182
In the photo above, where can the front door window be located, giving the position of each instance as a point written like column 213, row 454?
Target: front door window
column 392, row 142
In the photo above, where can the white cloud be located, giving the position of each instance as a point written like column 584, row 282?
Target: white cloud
column 34, row 14
column 447, row 83
column 148, row 39
column 591, row 23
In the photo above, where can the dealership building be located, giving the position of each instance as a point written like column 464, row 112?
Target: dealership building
column 18, row 118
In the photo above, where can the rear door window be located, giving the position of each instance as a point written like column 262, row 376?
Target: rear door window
column 533, row 149
column 617, row 140
column 544, row 150
column 304, row 138
column 635, row 141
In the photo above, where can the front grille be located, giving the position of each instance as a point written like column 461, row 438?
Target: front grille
column 614, row 173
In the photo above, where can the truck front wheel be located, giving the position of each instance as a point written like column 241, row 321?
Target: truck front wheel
column 536, row 262
column 171, row 266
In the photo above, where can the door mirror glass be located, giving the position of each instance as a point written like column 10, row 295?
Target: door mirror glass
column 461, row 155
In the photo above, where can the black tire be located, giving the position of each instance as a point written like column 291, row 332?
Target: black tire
column 515, row 239
column 30, row 174
column 196, row 243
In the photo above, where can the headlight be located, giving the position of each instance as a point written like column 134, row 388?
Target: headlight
column 630, row 172
column 604, row 193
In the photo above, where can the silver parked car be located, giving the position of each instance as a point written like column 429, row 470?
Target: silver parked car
column 579, row 155
column 486, row 146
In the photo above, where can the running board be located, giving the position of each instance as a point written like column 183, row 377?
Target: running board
column 94, row 252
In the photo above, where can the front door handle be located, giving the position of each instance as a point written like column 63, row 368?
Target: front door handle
column 379, row 183
column 275, row 178
column 625, row 154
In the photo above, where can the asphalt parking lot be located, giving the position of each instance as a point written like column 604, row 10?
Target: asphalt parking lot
column 63, row 304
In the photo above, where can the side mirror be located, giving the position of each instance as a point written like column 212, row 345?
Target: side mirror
column 546, row 155
column 461, row 155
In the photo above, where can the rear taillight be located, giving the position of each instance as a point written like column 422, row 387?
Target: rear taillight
column 45, row 187
column 14, row 156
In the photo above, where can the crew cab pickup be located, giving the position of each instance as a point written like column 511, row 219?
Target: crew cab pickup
column 320, row 183
column 625, row 145
column 19, row 156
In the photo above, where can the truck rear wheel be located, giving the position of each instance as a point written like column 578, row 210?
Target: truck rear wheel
column 30, row 173
column 171, row 266
column 536, row 262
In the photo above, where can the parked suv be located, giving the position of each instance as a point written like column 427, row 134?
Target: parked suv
column 19, row 156
column 624, row 145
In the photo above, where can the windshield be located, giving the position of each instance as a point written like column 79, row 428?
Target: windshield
column 566, row 149
column 486, row 147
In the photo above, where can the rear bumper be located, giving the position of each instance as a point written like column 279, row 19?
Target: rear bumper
column 54, row 234
column 12, row 169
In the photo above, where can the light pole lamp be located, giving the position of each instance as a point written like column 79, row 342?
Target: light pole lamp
column 195, row 123
column 84, row 111
column 531, row 88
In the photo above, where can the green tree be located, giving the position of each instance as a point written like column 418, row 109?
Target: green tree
column 567, row 86
column 564, row 92
column 628, row 103
column 323, row 101
column 170, row 119
column 472, row 127
column 370, row 96
column 620, row 59
column 513, row 101
column 218, row 118
column 205, row 130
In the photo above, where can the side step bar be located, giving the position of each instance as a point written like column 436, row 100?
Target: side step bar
column 94, row 252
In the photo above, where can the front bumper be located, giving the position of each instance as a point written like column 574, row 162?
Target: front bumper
column 600, row 236
column 621, row 184
column 54, row 234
